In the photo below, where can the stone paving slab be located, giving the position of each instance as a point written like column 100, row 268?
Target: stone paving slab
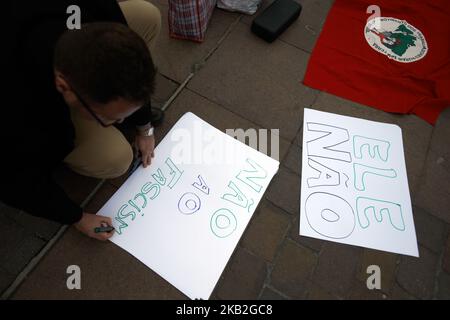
column 336, row 268
column 174, row 57
column 246, row 270
column 107, row 272
column 292, row 270
column 434, row 187
column 259, row 81
column 284, row 191
column 417, row 276
column 266, row 231
column 23, row 236
column 431, row 232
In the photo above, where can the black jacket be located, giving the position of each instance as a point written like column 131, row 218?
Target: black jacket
column 36, row 128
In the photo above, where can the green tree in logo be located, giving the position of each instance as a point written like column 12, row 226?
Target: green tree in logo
column 400, row 40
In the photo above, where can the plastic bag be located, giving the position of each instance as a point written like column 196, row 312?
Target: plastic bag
column 244, row 6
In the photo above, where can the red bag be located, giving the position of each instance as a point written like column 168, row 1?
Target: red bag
column 399, row 63
column 189, row 19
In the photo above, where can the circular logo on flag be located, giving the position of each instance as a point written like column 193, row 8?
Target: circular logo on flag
column 397, row 39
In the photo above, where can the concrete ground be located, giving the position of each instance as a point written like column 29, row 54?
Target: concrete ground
column 242, row 82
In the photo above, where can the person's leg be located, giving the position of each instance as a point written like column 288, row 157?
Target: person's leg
column 143, row 18
column 99, row 152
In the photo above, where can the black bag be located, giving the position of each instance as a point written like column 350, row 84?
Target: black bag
column 275, row 19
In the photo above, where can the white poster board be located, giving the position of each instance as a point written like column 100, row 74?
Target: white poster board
column 354, row 184
column 184, row 215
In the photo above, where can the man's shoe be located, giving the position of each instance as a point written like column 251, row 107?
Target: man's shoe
column 157, row 116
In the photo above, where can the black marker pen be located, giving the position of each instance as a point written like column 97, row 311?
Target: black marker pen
column 103, row 229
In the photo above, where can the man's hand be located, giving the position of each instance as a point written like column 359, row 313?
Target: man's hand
column 146, row 145
column 90, row 221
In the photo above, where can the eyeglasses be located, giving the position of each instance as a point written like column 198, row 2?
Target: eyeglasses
column 89, row 109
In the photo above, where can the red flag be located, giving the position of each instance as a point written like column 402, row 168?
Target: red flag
column 398, row 62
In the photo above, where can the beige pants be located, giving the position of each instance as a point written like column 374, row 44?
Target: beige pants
column 104, row 152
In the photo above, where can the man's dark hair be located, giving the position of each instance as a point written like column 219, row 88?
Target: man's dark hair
column 104, row 61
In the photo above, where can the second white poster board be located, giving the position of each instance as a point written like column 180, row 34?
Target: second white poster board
column 354, row 183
